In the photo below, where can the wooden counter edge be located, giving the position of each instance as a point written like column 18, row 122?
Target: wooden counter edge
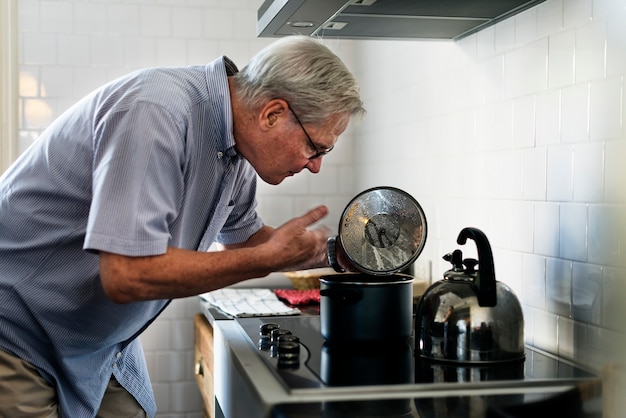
column 203, row 362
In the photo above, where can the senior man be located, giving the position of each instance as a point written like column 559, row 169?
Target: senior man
column 109, row 215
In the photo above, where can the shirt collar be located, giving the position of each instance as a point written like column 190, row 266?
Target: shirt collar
column 222, row 68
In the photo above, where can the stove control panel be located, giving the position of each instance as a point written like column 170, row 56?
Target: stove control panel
column 281, row 345
column 278, row 342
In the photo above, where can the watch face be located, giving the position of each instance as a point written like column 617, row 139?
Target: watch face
column 383, row 230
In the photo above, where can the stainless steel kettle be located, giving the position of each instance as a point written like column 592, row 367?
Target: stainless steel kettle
column 469, row 317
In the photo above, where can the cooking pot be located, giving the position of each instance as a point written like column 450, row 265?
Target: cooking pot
column 363, row 307
column 468, row 316
column 381, row 232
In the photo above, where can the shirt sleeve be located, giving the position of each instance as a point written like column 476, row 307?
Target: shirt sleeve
column 137, row 181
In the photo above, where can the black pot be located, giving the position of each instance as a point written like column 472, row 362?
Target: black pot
column 362, row 307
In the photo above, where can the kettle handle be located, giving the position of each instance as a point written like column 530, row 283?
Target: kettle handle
column 486, row 276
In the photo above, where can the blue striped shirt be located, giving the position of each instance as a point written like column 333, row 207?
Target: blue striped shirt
column 145, row 162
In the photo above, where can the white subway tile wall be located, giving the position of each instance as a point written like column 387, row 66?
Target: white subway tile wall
column 517, row 130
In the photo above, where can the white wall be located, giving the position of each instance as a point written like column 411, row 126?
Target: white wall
column 517, row 130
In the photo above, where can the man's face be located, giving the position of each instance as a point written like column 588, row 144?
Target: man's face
column 293, row 146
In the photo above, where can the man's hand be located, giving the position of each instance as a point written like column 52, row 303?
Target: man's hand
column 297, row 246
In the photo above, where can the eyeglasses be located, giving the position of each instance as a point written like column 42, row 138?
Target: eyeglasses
column 318, row 153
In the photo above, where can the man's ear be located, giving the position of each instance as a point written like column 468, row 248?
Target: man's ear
column 271, row 113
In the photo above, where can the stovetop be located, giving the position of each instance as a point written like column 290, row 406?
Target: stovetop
column 311, row 362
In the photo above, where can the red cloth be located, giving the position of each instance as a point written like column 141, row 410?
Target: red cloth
column 298, row 297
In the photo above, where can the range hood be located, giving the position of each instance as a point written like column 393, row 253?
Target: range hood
column 384, row 19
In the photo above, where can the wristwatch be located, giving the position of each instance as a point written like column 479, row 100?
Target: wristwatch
column 332, row 255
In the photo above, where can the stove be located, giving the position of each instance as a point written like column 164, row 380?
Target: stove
column 305, row 360
column 382, row 378
column 314, row 378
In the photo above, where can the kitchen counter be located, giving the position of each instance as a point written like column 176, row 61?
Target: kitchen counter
column 245, row 387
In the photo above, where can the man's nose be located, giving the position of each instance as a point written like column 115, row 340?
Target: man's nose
column 314, row 165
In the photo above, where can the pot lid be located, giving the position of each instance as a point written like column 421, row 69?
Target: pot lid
column 382, row 230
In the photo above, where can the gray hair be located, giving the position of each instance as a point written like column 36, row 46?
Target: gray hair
column 305, row 73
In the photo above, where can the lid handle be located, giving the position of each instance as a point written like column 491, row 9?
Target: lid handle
column 485, row 276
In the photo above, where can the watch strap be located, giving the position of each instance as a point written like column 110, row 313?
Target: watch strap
column 332, row 255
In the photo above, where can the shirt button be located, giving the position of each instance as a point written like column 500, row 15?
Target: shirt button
column 118, row 355
column 220, row 155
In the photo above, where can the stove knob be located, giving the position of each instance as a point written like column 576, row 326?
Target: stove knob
column 288, row 349
column 291, row 364
column 264, row 332
column 264, row 342
column 266, row 329
column 283, row 338
column 276, row 333
column 288, row 337
column 288, row 354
